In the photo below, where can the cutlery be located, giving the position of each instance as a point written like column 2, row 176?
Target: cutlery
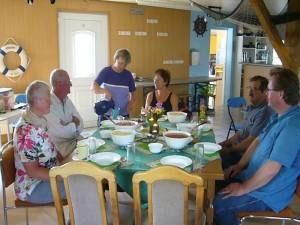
column 108, row 117
column 199, row 124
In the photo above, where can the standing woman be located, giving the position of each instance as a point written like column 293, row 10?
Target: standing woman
column 116, row 82
column 35, row 154
column 162, row 93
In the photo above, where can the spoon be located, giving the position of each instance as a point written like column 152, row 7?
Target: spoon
column 107, row 117
column 199, row 125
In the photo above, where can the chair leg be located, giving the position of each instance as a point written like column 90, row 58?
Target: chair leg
column 27, row 219
column 228, row 133
column 5, row 215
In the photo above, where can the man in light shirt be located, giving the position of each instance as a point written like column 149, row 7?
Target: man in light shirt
column 64, row 122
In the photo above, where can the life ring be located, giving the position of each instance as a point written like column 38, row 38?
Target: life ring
column 21, row 68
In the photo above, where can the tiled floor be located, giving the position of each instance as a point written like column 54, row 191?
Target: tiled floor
column 47, row 216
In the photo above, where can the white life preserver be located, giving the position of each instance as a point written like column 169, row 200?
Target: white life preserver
column 21, row 68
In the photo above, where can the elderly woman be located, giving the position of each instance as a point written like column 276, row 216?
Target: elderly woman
column 35, row 153
column 116, row 82
column 162, row 93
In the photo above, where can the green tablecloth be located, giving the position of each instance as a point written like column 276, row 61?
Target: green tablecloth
column 144, row 159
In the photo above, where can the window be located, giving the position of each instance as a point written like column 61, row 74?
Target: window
column 84, row 54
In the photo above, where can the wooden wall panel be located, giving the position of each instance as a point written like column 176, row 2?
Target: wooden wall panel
column 35, row 28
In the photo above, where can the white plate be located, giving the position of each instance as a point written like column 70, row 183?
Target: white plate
column 209, row 147
column 176, row 160
column 108, row 123
column 162, row 119
column 75, row 158
column 99, row 142
column 105, row 158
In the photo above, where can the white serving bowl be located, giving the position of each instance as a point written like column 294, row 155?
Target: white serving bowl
column 155, row 147
column 186, row 127
column 178, row 140
column 176, row 116
column 122, row 137
column 105, row 134
column 126, row 124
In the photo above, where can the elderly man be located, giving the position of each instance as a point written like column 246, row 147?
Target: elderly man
column 258, row 114
column 272, row 161
column 64, row 122
column 35, row 153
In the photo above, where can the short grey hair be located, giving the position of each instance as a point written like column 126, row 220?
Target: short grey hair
column 56, row 76
column 124, row 54
column 37, row 89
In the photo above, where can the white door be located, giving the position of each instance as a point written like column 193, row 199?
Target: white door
column 83, row 49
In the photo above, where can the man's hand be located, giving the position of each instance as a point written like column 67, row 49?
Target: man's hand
column 231, row 171
column 225, row 150
column 76, row 121
column 234, row 189
column 63, row 122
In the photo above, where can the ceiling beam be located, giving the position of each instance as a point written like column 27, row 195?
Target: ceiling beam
column 269, row 27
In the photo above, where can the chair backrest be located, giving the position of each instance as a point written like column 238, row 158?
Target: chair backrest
column 85, row 193
column 236, row 102
column 168, row 188
column 21, row 98
column 8, row 169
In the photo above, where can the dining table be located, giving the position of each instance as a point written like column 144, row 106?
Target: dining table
column 145, row 160
column 8, row 118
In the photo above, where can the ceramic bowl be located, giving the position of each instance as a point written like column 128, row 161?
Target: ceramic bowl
column 122, row 137
column 176, row 116
column 155, row 147
column 105, row 134
column 177, row 139
column 126, row 124
column 186, row 127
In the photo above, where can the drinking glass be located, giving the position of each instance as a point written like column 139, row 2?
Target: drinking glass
column 92, row 145
column 130, row 149
column 199, row 157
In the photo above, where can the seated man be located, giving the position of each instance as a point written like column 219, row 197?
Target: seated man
column 64, row 122
column 35, row 154
column 258, row 114
column 272, row 161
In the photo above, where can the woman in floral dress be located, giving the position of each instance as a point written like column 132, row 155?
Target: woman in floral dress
column 35, row 154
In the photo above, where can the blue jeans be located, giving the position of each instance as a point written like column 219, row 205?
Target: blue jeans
column 42, row 192
column 225, row 209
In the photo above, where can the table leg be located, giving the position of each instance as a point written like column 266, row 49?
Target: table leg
column 210, row 197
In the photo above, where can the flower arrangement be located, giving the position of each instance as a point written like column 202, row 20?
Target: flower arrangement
column 153, row 113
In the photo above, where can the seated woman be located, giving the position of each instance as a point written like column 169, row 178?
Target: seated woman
column 162, row 93
column 35, row 153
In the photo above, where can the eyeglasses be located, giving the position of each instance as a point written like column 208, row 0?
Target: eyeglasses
column 249, row 88
column 67, row 82
column 268, row 89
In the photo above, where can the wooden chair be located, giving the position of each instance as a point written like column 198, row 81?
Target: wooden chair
column 287, row 212
column 8, row 173
column 85, row 195
column 168, row 188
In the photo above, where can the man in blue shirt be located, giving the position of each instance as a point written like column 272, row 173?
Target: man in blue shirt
column 272, row 161
column 258, row 115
